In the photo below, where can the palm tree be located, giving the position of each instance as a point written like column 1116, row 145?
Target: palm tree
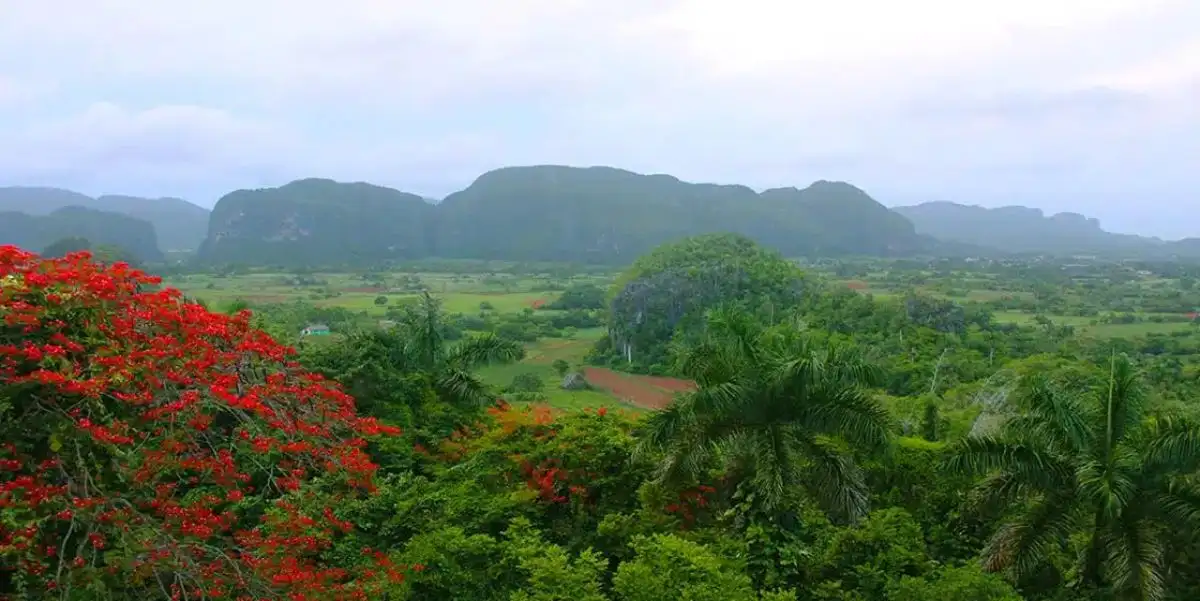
column 450, row 365
column 388, row 368
column 1098, row 467
column 774, row 406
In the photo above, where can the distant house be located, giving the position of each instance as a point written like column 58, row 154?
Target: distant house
column 316, row 329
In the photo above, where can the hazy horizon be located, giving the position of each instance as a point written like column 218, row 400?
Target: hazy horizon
column 1091, row 108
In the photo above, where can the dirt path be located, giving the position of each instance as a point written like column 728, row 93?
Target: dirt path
column 649, row 392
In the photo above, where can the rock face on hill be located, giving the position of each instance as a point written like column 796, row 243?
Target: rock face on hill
column 100, row 228
column 318, row 222
column 1019, row 229
column 178, row 224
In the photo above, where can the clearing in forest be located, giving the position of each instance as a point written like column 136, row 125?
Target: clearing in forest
column 648, row 392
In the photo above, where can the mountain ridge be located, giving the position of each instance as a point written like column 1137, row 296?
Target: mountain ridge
column 546, row 213
column 1021, row 229
column 589, row 214
column 36, row 232
column 178, row 224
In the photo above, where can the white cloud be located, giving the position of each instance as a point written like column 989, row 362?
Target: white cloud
column 106, row 146
column 18, row 93
column 917, row 99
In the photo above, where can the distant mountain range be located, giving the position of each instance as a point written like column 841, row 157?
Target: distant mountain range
column 178, row 224
column 36, row 232
column 545, row 213
column 1016, row 229
column 557, row 213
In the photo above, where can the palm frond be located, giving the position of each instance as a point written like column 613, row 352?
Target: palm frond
column 1053, row 416
column 851, row 413
column 1023, row 543
column 462, row 388
column 1035, row 467
column 1176, row 504
column 773, row 464
column 475, row 351
column 998, row 491
column 663, row 427
column 1134, row 560
column 1173, row 446
column 689, row 456
column 723, row 402
column 709, row 362
column 833, row 480
column 1110, row 488
column 847, row 364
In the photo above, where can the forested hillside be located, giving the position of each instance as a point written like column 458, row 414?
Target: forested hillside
column 547, row 213
column 597, row 215
column 135, row 236
column 178, row 224
column 318, row 222
column 1027, row 230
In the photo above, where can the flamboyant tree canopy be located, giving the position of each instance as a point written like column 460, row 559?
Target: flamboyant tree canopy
column 153, row 449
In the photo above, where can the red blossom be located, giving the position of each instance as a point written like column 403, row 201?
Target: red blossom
column 144, row 420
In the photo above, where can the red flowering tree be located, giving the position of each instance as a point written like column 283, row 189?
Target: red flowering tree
column 152, row 449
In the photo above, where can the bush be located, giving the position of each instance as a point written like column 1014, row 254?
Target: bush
column 381, row 300
column 526, row 382
column 561, row 367
column 580, row 297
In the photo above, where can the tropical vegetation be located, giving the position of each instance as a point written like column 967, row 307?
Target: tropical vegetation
column 898, row 443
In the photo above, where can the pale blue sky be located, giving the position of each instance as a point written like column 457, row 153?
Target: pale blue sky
column 1090, row 106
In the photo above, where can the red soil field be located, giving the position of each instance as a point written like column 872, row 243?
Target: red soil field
column 648, row 392
column 364, row 289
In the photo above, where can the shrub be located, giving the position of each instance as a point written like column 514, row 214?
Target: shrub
column 561, row 367
column 526, row 382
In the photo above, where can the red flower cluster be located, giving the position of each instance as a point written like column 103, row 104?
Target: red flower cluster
column 139, row 426
column 553, row 483
column 691, row 502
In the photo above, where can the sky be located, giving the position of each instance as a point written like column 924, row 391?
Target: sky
column 1067, row 105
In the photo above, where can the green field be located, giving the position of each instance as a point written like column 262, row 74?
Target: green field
column 539, row 359
column 459, row 293
column 1092, row 326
